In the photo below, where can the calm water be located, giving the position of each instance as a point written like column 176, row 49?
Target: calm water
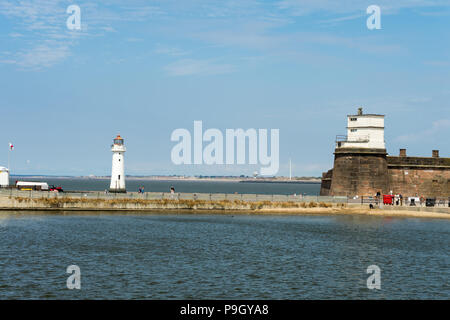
column 184, row 186
column 136, row 256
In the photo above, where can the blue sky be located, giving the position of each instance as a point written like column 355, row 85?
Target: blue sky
column 146, row 68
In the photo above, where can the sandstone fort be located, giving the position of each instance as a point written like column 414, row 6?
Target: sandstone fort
column 363, row 167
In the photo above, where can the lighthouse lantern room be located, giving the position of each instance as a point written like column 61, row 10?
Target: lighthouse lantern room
column 118, row 171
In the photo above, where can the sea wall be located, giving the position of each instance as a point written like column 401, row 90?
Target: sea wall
column 68, row 203
column 8, row 205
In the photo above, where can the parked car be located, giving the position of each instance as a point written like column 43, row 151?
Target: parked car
column 56, row 189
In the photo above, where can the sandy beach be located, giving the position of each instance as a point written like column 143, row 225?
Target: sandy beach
column 358, row 211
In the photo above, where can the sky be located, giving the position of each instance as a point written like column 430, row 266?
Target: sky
column 146, row 68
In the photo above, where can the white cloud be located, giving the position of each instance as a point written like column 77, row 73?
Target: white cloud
column 45, row 37
column 251, row 23
column 41, row 56
column 437, row 63
column 171, row 51
column 187, row 67
column 305, row 7
column 436, row 128
column 15, row 35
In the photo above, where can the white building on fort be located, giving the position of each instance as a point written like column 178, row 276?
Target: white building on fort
column 363, row 131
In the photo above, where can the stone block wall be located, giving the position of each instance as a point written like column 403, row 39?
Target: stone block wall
column 359, row 172
column 418, row 176
column 326, row 183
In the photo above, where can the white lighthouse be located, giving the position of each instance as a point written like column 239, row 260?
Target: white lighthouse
column 118, row 171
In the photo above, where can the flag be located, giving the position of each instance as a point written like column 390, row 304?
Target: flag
column 11, row 147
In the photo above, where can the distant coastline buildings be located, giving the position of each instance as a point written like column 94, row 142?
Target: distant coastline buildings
column 118, row 169
column 362, row 166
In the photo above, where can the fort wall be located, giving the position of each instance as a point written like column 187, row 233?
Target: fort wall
column 359, row 172
column 366, row 172
column 419, row 176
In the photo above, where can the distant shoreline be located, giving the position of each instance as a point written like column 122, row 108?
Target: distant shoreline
column 311, row 180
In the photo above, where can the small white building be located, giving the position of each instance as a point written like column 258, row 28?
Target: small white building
column 363, row 131
column 118, row 169
column 4, row 177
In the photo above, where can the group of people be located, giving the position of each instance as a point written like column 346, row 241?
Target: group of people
column 141, row 189
column 398, row 199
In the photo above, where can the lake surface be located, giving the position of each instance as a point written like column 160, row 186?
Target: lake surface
column 86, row 184
column 160, row 256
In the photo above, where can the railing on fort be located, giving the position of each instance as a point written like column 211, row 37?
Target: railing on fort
column 359, row 139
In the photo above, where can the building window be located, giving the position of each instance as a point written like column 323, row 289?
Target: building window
column 353, row 130
column 353, row 119
column 119, row 176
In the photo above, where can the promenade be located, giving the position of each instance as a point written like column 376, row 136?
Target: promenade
column 11, row 199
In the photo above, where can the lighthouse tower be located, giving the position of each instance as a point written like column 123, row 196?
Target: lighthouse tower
column 118, row 171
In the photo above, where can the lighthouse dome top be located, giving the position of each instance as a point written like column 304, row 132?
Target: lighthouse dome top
column 118, row 139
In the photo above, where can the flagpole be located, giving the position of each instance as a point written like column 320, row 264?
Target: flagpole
column 290, row 169
column 9, row 157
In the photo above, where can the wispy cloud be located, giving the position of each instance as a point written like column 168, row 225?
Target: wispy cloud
column 437, row 63
column 266, row 40
column 170, row 51
column 38, row 57
column 187, row 67
column 15, row 35
column 437, row 128
column 305, row 7
column 251, row 24
column 341, row 19
column 45, row 39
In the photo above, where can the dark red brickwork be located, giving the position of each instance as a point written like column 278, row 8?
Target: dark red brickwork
column 365, row 172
